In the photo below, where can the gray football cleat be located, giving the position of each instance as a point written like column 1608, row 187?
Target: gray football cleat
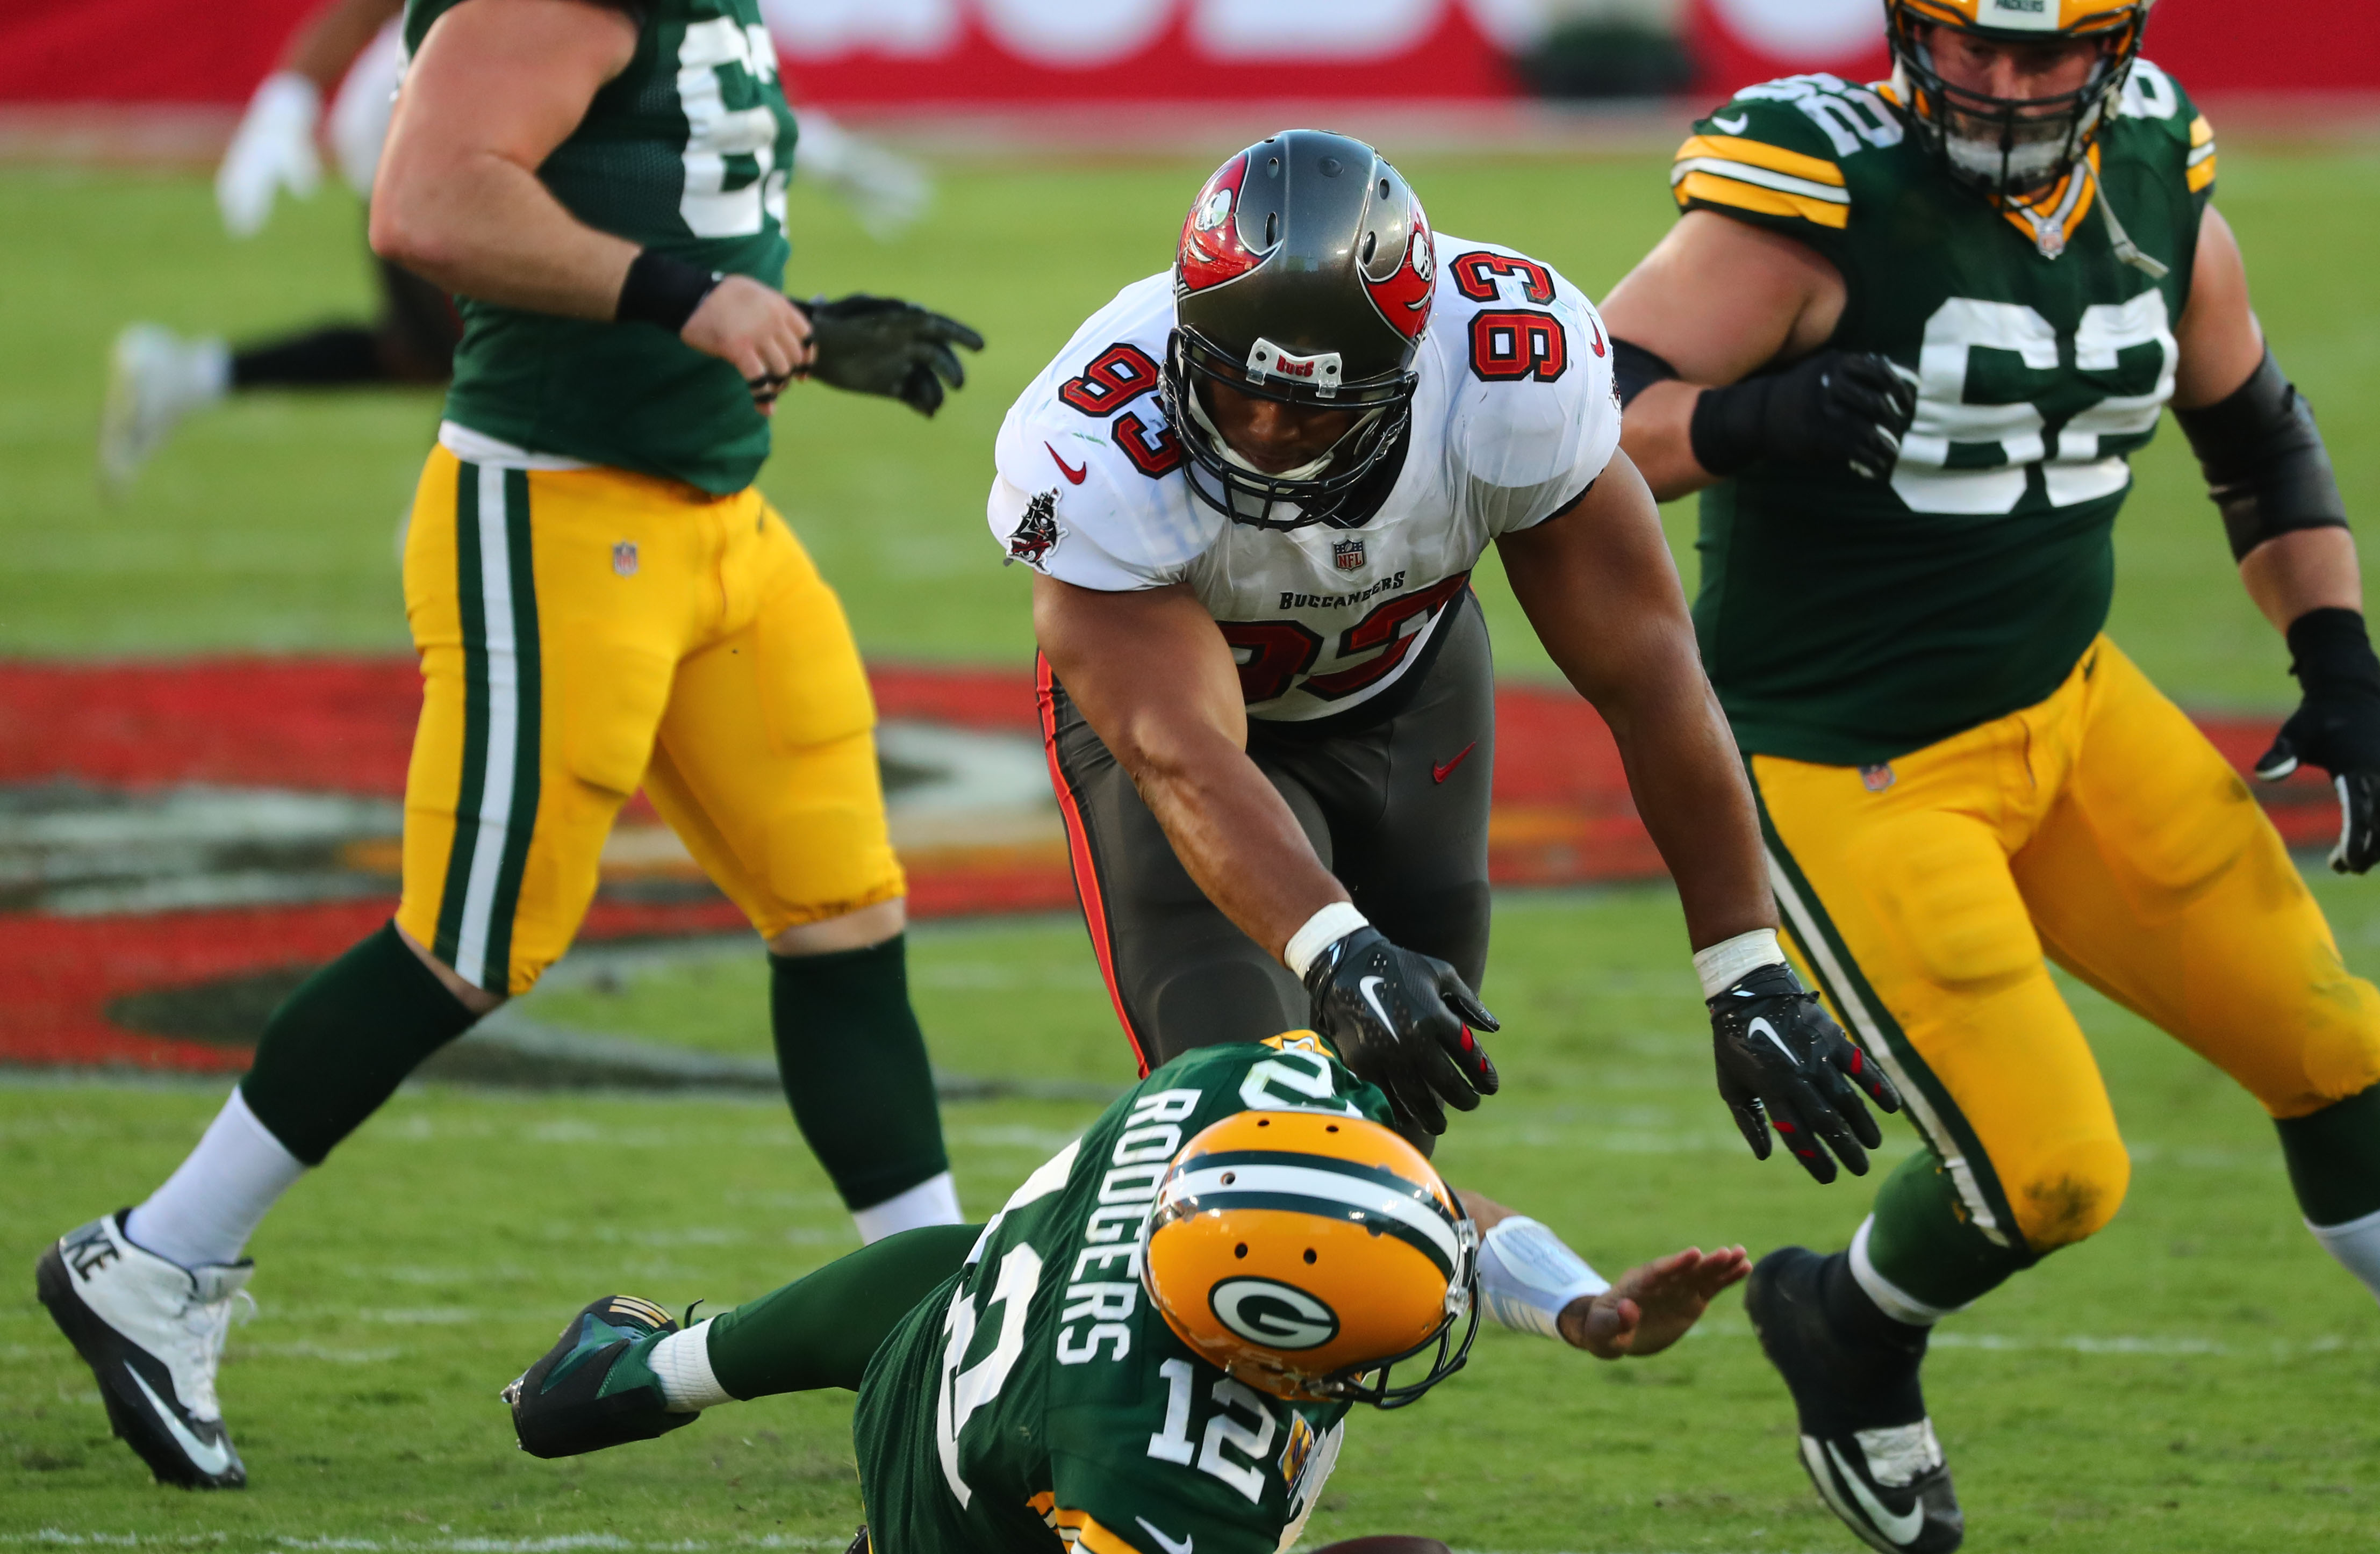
column 155, row 379
column 152, row 1333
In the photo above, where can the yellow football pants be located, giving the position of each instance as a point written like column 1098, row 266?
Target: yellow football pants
column 585, row 632
column 2101, row 830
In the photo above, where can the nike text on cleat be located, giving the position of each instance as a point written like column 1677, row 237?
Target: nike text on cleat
column 1865, row 1441
column 152, row 1333
column 594, row 1389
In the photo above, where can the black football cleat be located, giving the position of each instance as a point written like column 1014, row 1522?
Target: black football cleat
column 152, row 1333
column 1866, row 1442
column 594, row 1389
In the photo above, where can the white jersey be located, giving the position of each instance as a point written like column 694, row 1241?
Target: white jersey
column 1515, row 416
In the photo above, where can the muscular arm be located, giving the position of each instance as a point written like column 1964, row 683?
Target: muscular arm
column 2221, row 346
column 496, row 86
column 1157, row 683
column 1718, row 300
column 1598, row 586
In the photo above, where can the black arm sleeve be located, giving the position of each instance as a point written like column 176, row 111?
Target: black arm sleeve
column 1635, row 369
column 2264, row 463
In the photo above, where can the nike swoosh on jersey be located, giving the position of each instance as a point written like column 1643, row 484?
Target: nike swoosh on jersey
column 1903, row 1528
column 1073, row 475
column 1370, row 987
column 1439, row 773
column 1762, row 1027
column 206, row 1458
column 1169, row 1544
column 1735, row 128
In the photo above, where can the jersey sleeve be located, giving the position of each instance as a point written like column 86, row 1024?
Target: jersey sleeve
column 1773, row 159
column 1087, row 490
column 2156, row 101
column 1534, row 417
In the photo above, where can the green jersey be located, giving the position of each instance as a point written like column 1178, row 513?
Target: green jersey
column 1038, row 1399
column 687, row 151
column 1846, row 621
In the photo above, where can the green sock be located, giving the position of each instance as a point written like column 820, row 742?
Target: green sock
column 853, row 1066
column 2334, row 1159
column 343, row 1042
column 1925, row 1244
column 821, row 1330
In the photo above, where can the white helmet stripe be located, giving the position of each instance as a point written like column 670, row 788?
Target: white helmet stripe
column 1330, row 1189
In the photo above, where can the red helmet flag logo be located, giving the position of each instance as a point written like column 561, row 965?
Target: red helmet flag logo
column 1403, row 298
column 1211, row 251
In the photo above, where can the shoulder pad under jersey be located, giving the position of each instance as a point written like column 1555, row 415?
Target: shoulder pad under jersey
column 1531, row 416
column 2154, row 102
column 1089, row 489
column 1774, row 155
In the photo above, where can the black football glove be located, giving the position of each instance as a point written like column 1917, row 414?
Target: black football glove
column 1402, row 1021
column 2336, row 727
column 1781, row 1060
column 1835, row 409
column 881, row 345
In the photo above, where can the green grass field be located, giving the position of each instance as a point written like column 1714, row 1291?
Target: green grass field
column 2199, row 1377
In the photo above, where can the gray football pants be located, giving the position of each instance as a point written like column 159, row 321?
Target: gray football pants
column 1396, row 807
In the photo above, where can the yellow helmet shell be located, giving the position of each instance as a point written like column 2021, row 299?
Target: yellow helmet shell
column 1296, row 1249
column 2072, row 19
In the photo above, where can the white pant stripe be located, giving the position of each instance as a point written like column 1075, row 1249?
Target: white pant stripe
column 504, row 735
column 1805, row 927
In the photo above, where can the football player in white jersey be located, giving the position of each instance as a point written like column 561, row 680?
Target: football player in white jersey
column 1252, row 491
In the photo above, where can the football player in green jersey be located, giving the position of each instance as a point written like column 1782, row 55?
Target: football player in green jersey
column 602, row 602
column 1154, row 1345
column 1903, row 338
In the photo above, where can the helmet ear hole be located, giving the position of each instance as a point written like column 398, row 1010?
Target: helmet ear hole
column 1272, row 227
column 1371, row 247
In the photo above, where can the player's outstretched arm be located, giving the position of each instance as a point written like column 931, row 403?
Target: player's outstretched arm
column 1653, row 1304
column 1155, row 679
column 1597, row 584
column 495, row 87
column 2266, row 469
column 1719, row 333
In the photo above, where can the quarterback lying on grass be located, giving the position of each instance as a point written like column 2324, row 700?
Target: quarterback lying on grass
column 1155, row 1344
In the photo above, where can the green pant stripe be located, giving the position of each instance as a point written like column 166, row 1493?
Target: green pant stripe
column 468, row 593
column 521, row 821
column 1930, row 1106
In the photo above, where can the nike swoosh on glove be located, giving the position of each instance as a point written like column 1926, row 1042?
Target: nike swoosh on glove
column 1404, row 1021
column 1782, row 1062
column 2336, row 727
column 881, row 345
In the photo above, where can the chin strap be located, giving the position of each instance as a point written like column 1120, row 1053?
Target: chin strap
column 2126, row 249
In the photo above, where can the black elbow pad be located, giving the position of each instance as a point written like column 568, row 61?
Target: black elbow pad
column 2264, row 460
column 1635, row 369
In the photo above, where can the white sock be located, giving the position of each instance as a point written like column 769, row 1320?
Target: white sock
column 683, row 1362
column 934, row 1201
column 2356, row 1245
column 1527, row 1276
column 209, row 1207
column 1890, row 1298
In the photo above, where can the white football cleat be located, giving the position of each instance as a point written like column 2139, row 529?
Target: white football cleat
column 155, row 378
column 152, row 1333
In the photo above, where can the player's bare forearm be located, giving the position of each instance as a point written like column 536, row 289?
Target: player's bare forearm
column 1155, row 680
column 2303, row 569
column 497, row 85
column 1597, row 584
column 329, row 41
column 1656, row 434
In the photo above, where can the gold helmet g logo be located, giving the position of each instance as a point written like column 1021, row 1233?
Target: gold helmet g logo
column 1307, row 1252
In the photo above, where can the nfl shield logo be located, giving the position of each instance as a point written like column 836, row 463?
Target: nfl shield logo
column 1877, row 778
column 624, row 558
column 1347, row 555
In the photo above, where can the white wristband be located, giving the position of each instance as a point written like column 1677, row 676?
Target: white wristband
column 1527, row 1276
column 1322, row 931
column 1724, row 963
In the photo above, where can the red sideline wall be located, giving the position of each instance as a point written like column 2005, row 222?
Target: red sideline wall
column 174, row 52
